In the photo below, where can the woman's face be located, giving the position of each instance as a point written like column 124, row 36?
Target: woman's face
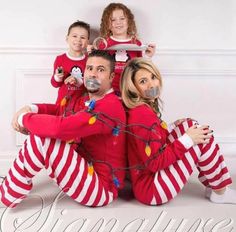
column 147, row 84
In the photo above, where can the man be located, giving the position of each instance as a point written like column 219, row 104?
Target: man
column 87, row 170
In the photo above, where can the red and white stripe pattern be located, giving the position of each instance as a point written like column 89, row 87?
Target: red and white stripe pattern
column 63, row 164
column 213, row 172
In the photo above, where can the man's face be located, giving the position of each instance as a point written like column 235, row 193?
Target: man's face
column 97, row 76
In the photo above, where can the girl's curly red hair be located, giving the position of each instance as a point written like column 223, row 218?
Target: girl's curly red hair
column 106, row 17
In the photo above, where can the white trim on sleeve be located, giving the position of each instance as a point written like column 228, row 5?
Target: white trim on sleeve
column 186, row 141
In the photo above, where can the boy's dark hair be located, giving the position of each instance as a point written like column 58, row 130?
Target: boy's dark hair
column 82, row 24
column 105, row 55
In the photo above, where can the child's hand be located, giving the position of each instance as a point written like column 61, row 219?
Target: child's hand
column 199, row 134
column 90, row 48
column 74, row 81
column 70, row 80
column 151, row 49
column 59, row 73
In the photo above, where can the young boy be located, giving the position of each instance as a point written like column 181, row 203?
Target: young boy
column 69, row 67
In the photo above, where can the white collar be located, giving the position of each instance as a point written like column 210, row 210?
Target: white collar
column 108, row 91
column 75, row 58
column 120, row 40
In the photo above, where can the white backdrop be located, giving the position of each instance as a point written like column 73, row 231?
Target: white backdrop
column 196, row 55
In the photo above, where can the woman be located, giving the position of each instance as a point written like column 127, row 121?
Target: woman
column 162, row 158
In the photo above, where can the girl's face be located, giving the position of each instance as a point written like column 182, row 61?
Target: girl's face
column 147, row 84
column 77, row 39
column 119, row 24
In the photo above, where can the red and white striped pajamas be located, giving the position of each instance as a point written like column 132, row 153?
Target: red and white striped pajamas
column 166, row 174
column 70, row 167
column 63, row 164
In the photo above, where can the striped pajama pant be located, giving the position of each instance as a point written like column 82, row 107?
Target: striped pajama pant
column 63, row 164
column 207, row 158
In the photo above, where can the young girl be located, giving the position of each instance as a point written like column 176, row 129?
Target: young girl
column 118, row 27
column 69, row 67
column 162, row 159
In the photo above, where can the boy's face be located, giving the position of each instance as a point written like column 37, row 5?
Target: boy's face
column 77, row 39
column 118, row 24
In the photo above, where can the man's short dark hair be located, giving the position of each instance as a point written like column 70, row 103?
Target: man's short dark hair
column 105, row 55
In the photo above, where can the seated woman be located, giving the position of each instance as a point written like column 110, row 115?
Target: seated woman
column 162, row 159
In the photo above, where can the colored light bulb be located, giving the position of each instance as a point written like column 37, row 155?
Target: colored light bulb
column 163, row 125
column 148, row 150
column 63, row 101
column 115, row 140
column 116, row 182
column 91, row 105
column 115, row 133
column 92, row 120
column 90, row 169
column 70, row 141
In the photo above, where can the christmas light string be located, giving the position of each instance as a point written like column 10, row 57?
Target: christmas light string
column 116, row 126
column 115, row 132
column 122, row 124
column 66, row 102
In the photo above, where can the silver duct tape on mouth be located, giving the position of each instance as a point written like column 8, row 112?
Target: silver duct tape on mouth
column 92, row 84
column 152, row 93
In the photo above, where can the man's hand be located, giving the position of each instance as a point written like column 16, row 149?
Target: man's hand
column 15, row 125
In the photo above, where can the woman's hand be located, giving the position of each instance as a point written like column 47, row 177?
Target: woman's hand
column 199, row 134
column 179, row 121
column 15, row 125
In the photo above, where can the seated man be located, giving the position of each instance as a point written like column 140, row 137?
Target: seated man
column 88, row 170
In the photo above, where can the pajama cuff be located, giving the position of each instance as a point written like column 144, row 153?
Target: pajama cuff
column 34, row 109
column 57, row 79
column 170, row 127
column 20, row 119
column 186, row 141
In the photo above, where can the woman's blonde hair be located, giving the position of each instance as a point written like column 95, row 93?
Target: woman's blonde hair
column 106, row 19
column 129, row 93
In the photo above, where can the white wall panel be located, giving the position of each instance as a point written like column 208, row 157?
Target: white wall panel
column 196, row 55
column 32, row 86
